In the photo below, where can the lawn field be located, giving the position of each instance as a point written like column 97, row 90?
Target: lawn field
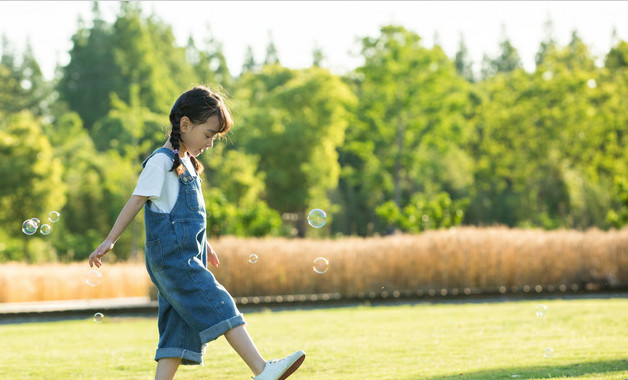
column 475, row 340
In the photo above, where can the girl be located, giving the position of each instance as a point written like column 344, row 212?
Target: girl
column 194, row 308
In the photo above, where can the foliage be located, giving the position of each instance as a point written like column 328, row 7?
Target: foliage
column 295, row 121
column 31, row 183
column 409, row 119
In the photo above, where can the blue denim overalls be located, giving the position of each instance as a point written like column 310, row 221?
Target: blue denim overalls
column 193, row 307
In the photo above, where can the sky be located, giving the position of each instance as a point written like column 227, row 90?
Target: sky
column 297, row 27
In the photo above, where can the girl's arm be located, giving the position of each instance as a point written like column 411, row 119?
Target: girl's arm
column 212, row 256
column 132, row 207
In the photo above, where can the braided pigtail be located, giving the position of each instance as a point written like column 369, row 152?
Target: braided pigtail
column 197, row 165
column 175, row 138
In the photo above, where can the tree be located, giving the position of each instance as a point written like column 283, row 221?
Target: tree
column 91, row 74
column 548, row 44
column 317, row 57
column 23, row 86
column 464, row 66
column 410, row 108
column 249, row 60
column 109, row 59
column 234, row 196
column 617, row 57
column 31, row 183
column 543, row 144
column 271, row 52
column 294, row 122
column 86, row 214
column 130, row 129
column 506, row 61
column 210, row 64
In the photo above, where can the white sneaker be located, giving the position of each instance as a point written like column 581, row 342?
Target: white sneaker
column 280, row 369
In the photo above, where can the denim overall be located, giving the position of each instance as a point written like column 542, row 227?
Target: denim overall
column 194, row 308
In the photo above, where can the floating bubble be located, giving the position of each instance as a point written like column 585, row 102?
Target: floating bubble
column 541, row 310
column 321, row 265
column 317, row 218
column 36, row 221
column 45, row 229
column 30, row 226
column 98, row 317
column 93, row 277
column 54, row 216
column 253, row 258
column 548, row 352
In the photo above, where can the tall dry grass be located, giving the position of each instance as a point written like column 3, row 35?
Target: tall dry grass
column 466, row 257
column 462, row 258
column 45, row 282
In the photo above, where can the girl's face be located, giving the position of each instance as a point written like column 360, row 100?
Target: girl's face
column 196, row 138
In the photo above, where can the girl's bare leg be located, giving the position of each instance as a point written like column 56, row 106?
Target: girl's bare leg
column 239, row 338
column 166, row 368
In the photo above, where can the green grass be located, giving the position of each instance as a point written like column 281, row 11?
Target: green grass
column 493, row 340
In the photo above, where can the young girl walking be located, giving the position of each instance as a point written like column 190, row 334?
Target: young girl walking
column 194, row 308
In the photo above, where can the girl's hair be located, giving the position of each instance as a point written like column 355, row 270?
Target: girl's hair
column 198, row 104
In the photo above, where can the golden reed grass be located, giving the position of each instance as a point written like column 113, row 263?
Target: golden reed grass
column 465, row 257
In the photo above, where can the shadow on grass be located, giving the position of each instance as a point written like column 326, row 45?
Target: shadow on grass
column 546, row 372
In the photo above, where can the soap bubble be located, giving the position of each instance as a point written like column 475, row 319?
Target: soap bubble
column 548, row 352
column 93, row 277
column 253, row 258
column 45, row 229
column 30, row 226
column 541, row 310
column 98, row 317
column 54, row 216
column 321, row 265
column 317, row 218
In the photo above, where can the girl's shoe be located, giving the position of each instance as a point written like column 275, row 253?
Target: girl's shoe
column 280, row 369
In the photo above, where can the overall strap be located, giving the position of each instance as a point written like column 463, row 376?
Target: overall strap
column 160, row 150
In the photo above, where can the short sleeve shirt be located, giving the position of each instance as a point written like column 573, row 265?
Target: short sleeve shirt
column 159, row 184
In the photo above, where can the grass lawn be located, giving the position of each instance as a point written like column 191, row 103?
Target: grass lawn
column 492, row 340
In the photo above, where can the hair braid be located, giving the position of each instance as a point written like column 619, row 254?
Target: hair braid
column 175, row 138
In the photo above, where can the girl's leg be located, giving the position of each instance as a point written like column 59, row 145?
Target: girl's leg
column 166, row 368
column 239, row 338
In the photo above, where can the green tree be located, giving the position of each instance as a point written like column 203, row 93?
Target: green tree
column 130, row 129
column 617, row 57
column 293, row 121
column 272, row 57
column 209, row 64
column 548, row 44
column 234, row 195
column 85, row 217
column 249, row 60
column 506, row 61
column 91, row 74
column 318, row 57
column 31, row 183
column 23, row 86
column 464, row 66
column 410, row 110
column 535, row 150
column 618, row 216
column 109, row 59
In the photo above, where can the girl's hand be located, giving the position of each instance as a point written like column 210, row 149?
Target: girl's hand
column 102, row 250
column 212, row 257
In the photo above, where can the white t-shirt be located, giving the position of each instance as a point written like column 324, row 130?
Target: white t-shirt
column 160, row 184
